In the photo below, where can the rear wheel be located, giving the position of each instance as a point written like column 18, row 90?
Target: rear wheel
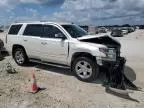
column 20, row 56
column 85, row 69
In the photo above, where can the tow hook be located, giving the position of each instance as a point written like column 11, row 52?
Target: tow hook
column 117, row 82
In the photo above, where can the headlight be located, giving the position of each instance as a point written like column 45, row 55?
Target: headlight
column 109, row 52
column 103, row 50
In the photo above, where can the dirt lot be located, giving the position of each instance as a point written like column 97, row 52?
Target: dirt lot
column 63, row 90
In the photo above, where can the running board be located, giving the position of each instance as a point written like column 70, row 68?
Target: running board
column 48, row 63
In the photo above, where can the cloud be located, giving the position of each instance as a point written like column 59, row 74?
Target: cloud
column 33, row 1
column 7, row 3
column 97, row 11
column 83, row 11
column 34, row 12
column 10, row 9
column 44, row 2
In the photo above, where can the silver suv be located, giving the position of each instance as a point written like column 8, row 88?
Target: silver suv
column 63, row 44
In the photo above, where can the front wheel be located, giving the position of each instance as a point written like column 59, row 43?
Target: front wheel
column 20, row 56
column 85, row 69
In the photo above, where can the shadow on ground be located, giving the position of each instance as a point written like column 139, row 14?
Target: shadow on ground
column 3, row 54
column 129, row 72
column 53, row 69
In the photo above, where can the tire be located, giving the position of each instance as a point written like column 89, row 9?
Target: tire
column 85, row 69
column 20, row 56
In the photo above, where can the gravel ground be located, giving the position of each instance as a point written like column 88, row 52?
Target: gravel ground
column 63, row 90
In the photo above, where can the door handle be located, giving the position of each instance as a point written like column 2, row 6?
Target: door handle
column 25, row 40
column 44, row 43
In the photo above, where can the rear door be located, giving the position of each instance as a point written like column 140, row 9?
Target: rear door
column 31, row 40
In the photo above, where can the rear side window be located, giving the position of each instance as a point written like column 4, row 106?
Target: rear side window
column 15, row 29
column 33, row 30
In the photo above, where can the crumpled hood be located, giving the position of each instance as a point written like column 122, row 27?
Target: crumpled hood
column 91, row 36
column 100, row 39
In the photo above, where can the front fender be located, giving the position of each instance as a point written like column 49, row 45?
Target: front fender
column 92, row 49
column 78, row 47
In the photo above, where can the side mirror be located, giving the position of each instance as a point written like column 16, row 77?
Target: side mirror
column 60, row 35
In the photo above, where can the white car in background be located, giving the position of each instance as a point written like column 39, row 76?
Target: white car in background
column 124, row 30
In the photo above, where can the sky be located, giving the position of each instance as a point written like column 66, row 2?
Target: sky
column 92, row 12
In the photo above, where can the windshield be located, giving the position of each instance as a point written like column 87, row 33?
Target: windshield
column 75, row 31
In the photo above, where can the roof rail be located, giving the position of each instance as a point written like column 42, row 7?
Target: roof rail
column 39, row 21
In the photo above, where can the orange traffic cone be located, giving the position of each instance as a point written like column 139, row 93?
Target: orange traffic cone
column 33, row 88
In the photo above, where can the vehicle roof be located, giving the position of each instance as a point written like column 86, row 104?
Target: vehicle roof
column 43, row 22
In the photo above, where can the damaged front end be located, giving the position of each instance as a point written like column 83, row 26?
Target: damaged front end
column 116, row 77
column 112, row 51
column 117, row 83
column 113, row 62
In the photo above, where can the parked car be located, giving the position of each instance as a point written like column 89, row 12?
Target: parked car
column 124, row 30
column 62, row 44
column 102, row 30
column 131, row 29
column 117, row 33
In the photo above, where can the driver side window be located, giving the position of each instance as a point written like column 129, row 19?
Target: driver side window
column 50, row 31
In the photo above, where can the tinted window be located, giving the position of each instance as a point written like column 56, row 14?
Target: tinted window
column 33, row 30
column 50, row 31
column 15, row 29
